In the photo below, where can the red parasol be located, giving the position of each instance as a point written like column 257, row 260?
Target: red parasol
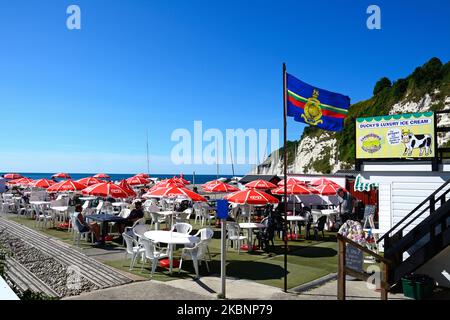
column 125, row 186
column 41, row 183
column 322, row 181
column 172, row 192
column 20, row 181
column 220, row 187
column 66, row 186
column 260, row 184
column 295, row 189
column 11, row 176
column 292, row 181
column 328, row 189
column 62, row 175
column 106, row 189
column 136, row 181
column 102, row 176
column 251, row 196
column 89, row 181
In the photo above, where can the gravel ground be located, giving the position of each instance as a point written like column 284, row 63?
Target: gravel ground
column 51, row 272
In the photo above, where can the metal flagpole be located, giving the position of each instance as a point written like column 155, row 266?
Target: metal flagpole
column 285, row 176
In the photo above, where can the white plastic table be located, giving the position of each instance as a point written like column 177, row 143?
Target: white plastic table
column 167, row 214
column 171, row 239
column 295, row 220
column 250, row 226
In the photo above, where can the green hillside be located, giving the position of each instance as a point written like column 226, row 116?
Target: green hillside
column 425, row 79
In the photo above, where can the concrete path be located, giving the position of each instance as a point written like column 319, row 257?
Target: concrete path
column 208, row 288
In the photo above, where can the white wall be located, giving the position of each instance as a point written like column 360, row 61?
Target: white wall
column 400, row 191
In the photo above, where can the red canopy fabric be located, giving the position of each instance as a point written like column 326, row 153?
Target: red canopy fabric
column 102, row 176
column 251, row 196
column 172, row 192
column 89, row 181
column 295, row 189
column 62, row 175
column 260, row 184
column 322, row 181
column 20, row 181
column 179, row 180
column 166, row 184
column 136, row 181
column 11, row 176
column 125, row 186
column 292, row 181
column 220, row 187
column 143, row 175
column 106, row 189
column 41, row 183
column 66, row 185
column 328, row 189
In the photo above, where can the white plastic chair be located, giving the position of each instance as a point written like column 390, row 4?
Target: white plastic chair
column 196, row 254
column 183, row 216
column 206, row 235
column 206, row 216
column 157, row 219
column 99, row 207
column 132, row 248
column 182, row 227
column 77, row 234
column 151, row 252
column 43, row 216
column 234, row 235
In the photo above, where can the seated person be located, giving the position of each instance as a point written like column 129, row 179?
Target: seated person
column 135, row 214
column 83, row 226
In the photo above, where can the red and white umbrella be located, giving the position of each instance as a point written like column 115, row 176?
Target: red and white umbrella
column 165, row 184
column 297, row 189
column 220, row 187
column 66, row 186
column 322, row 181
column 125, row 186
column 137, row 181
column 89, row 181
column 328, row 189
column 292, row 181
column 252, row 197
column 178, row 180
column 20, row 181
column 11, row 176
column 41, row 183
column 173, row 192
column 106, row 189
column 102, row 176
column 143, row 175
column 61, row 175
column 260, row 184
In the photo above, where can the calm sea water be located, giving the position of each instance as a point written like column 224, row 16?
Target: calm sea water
column 199, row 178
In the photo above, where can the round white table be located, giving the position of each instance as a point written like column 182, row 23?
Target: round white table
column 171, row 238
column 88, row 198
column 250, row 226
column 294, row 220
column 120, row 204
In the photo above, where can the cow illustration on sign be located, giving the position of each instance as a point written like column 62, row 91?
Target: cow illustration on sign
column 416, row 141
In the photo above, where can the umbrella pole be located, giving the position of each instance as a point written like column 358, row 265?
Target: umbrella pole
column 285, row 175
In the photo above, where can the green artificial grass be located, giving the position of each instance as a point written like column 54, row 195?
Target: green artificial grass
column 307, row 259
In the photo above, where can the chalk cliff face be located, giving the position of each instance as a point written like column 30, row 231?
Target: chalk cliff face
column 318, row 151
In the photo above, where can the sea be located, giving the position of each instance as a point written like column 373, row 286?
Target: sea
column 198, row 179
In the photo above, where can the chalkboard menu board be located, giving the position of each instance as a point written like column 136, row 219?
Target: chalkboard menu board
column 354, row 258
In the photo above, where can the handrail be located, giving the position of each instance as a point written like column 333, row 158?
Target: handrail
column 414, row 210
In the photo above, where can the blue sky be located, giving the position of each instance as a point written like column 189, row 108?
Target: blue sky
column 82, row 100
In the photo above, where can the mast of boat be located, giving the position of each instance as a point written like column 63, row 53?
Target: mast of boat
column 231, row 156
column 217, row 159
column 148, row 160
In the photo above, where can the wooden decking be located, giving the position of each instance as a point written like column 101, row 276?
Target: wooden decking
column 101, row 275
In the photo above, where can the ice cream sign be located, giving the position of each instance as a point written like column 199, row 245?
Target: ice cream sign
column 395, row 136
column 362, row 184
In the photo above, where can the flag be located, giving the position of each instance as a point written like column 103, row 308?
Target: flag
column 314, row 106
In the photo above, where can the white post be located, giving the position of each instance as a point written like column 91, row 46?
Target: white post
column 223, row 258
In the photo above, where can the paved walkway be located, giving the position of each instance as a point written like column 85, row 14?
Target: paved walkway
column 208, row 287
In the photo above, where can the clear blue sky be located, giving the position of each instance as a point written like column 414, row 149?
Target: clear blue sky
column 81, row 101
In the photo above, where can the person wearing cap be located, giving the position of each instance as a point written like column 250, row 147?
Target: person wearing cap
column 345, row 204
